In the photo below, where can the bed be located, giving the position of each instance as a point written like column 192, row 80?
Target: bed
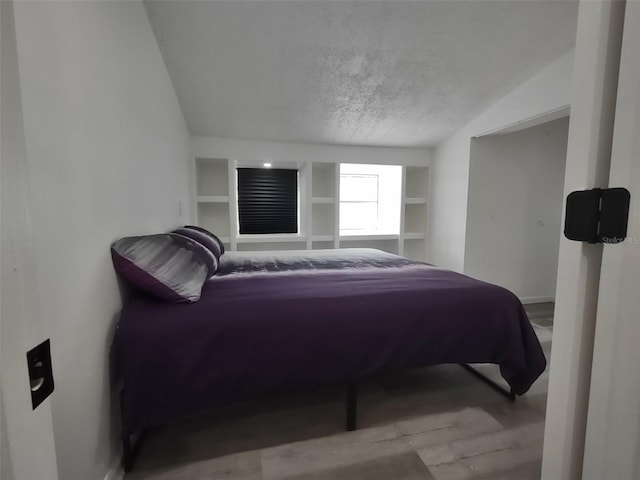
column 280, row 321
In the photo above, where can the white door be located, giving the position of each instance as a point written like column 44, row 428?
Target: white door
column 612, row 443
column 26, row 435
column 595, row 80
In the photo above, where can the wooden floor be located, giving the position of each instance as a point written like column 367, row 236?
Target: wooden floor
column 432, row 423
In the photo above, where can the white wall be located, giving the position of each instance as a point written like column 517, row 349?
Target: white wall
column 514, row 209
column 108, row 156
column 263, row 151
column 547, row 91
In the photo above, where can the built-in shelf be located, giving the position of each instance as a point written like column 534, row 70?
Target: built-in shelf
column 323, row 245
column 319, row 184
column 416, row 249
column 215, row 218
column 212, row 177
column 415, row 200
column 322, row 219
column 322, row 238
column 323, row 183
column 415, row 217
column 414, row 213
column 284, row 237
column 416, row 181
column 323, row 200
column 414, row 236
column 358, row 238
column 213, row 198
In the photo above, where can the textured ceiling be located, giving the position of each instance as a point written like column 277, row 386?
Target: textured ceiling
column 366, row 73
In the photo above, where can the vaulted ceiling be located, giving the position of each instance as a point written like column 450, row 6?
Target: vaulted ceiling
column 391, row 73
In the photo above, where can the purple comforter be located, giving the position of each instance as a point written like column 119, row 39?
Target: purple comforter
column 287, row 320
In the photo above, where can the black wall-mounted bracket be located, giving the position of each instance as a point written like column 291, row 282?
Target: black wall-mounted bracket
column 597, row 215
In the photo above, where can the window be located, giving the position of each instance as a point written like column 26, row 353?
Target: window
column 370, row 199
column 267, row 200
column 358, row 201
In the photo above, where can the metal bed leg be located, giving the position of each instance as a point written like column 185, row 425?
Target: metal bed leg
column 352, row 405
column 498, row 388
column 130, row 450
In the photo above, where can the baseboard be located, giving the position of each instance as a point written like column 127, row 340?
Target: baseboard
column 115, row 471
column 528, row 300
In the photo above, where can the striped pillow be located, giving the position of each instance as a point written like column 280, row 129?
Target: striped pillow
column 208, row 234
column 211, row 242
column 168, row 266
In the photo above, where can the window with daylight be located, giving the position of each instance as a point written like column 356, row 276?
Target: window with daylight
column 370, row 199
column 267, row 200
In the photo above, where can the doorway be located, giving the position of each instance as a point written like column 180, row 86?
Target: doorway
column 516, row 182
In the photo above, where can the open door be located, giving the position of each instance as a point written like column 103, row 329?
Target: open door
column 612, row 443
column 593, row 411
column 26, row 433
column 595, row 82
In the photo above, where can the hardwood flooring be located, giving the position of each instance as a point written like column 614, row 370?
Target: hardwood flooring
column 434, row 423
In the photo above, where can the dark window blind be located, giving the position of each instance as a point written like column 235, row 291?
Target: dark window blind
column 267, row 200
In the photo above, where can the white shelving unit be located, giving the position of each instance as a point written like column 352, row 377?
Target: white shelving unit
column 322, row 238
column 414, row 236
column 216, row 202
column 413, row 243
column 323, row 200
column 367, row 238
column 212, row 197
column 323, row 211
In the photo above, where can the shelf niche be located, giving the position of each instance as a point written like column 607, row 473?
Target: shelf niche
column 390, row 246
column 322, row 219
column 215, row 218
column 212, row 177
column 416, row 182
column 324, row 182
column 415, row 217
column 322, row 245
column 415, row 249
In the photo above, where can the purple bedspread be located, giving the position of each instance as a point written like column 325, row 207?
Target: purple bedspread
column 277, row 321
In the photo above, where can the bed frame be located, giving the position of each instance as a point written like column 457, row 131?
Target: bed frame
column 132, row 442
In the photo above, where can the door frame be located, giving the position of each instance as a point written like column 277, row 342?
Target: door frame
column 27, row 434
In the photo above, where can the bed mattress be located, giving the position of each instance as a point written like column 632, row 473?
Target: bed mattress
column 278, row 321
